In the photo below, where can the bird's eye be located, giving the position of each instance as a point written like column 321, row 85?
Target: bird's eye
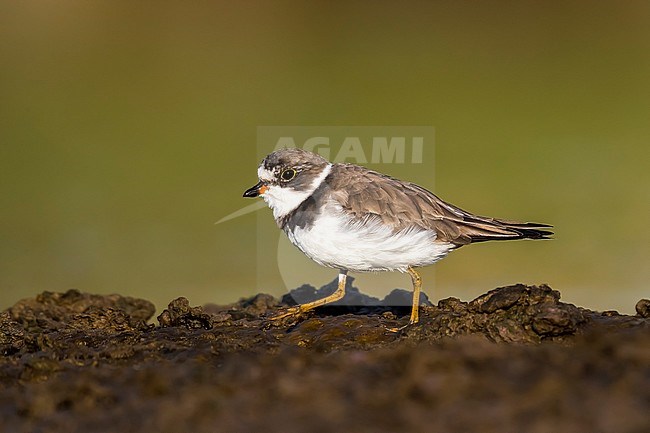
column 288, row 174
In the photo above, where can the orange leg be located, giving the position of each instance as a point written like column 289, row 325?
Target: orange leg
column 415, row 308
column 338, row 294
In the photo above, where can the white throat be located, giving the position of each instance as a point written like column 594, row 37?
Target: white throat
column 284, row 200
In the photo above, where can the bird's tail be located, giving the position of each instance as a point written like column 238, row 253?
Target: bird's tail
column 488, row 229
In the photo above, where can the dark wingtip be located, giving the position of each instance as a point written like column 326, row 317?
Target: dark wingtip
column 538, row 234
column 534, row 231
column 516, row 230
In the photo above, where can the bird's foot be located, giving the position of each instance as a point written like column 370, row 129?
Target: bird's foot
column 292, row 312
column 401, row 328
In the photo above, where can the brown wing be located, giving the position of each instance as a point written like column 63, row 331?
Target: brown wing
column 404, row 205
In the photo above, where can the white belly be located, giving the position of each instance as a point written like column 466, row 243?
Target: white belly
column 335, row 241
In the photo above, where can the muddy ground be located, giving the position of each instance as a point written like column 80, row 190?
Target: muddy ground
column 516, row 359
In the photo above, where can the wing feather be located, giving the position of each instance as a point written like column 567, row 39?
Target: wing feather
column 403, row 205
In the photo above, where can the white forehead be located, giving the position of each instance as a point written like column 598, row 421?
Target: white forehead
column 264, row 174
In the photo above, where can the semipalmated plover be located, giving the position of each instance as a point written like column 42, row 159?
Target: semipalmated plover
column 350, row 218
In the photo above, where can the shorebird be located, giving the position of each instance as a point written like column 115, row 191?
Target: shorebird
column 354, row 219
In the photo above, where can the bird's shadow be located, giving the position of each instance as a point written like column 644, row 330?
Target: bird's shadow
column 398, row 301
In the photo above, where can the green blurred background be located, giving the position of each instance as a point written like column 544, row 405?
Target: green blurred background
column 128, row 128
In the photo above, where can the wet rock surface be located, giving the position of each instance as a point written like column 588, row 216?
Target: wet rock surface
column 514, row 359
